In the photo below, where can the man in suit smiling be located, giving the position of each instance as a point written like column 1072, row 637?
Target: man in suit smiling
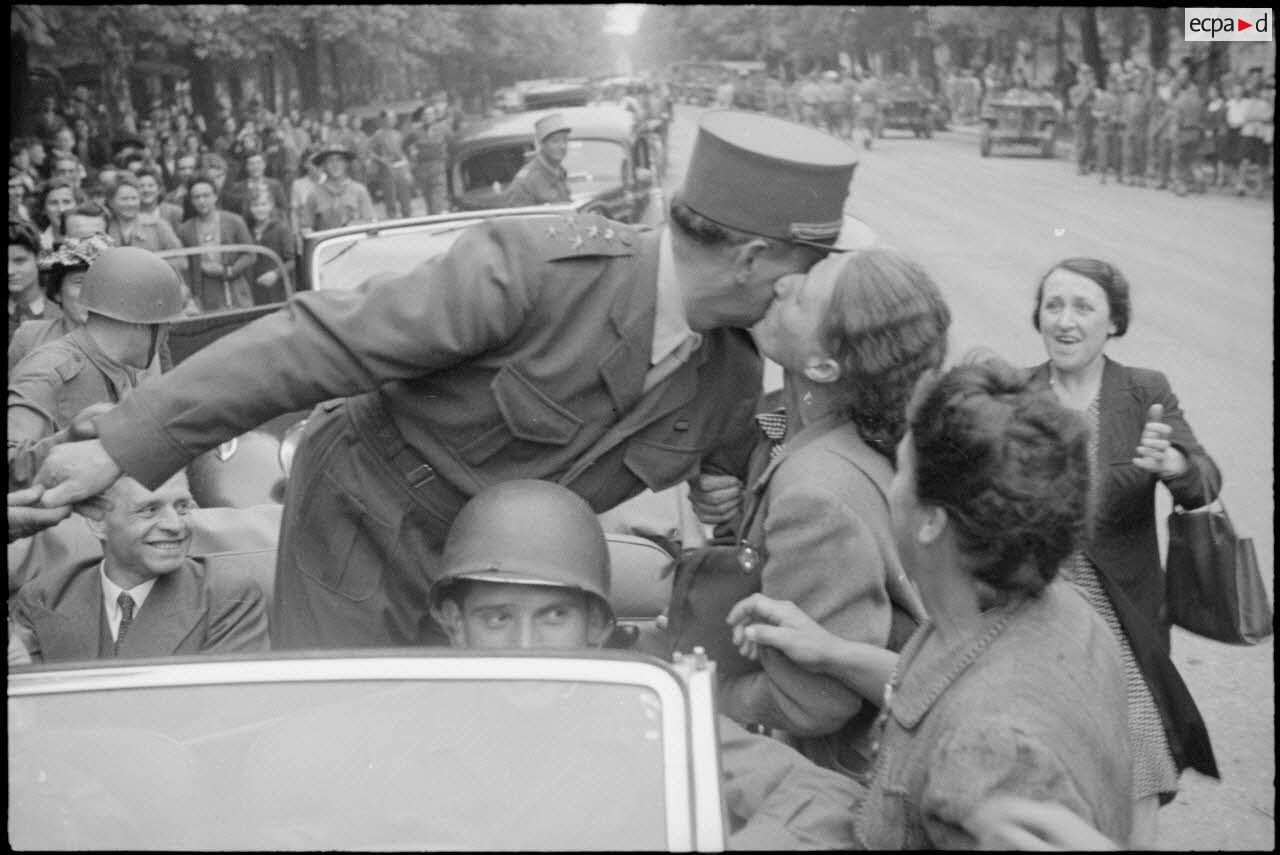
column 145, row 596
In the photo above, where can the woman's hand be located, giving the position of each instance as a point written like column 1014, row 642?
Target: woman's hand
column 1006, row 821
column 1155, row 453
column 780, row 624
column 211, row 268
column 268, row 279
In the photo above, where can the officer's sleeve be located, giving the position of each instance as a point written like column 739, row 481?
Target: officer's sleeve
column 777, row 799
column 329, row 344
column 31, row 412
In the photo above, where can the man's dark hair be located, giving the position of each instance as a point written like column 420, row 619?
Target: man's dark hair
column 84, row 209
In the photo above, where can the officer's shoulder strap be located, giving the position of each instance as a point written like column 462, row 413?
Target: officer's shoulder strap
column 577, row 235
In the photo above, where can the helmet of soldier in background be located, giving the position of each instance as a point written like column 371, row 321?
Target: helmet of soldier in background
column 132, row 284
column 527, row 532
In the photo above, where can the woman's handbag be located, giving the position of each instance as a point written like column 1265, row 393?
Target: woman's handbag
column 1213, row 587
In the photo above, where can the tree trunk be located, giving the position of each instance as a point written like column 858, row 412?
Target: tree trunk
column 1089, row 43
column 1128, row 29
column 20, row 111
column 1158, row 21
column 336, row 72
column 305, row 65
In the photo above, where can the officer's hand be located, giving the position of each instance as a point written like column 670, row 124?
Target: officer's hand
column 74, row 472
column 26, row 517
column 782, row 625
column 1012, row 822
column 1155, row 453
column 715, row 498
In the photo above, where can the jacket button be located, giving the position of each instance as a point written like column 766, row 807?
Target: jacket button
column 681, row 424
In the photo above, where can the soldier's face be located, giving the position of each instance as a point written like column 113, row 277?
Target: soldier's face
column 70, row 296
column 556, row 146
column 496, row 616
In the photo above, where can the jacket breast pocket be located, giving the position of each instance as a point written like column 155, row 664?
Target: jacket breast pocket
column 528, row 414
column 660, row 465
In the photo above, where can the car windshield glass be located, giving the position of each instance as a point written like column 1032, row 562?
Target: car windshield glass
column 345, row 262
column 594, row 163
column 590, row 163
column 450, row 764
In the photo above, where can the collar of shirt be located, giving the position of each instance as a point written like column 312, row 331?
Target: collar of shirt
column 111, row 592
column 671, row 331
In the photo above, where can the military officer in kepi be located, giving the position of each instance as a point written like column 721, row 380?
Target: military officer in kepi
column 543, row 179
column 606, row 357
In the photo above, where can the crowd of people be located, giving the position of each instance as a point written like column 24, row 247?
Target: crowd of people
column 981, row 507
column 1160, row 128
column 184, row 181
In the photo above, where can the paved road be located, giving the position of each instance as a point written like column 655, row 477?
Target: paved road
column 1201, row 269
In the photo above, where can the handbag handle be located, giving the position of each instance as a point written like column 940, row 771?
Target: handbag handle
column 1207, row 507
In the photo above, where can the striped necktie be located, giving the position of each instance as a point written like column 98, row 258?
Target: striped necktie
column 126, row 617
column 774, row 427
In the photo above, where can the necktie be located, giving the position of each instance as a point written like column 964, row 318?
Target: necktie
column 126, row 617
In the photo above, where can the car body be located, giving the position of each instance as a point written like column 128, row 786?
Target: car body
column 907, row 105
column 1020, row 117
column 366, row 750
column 609, row 164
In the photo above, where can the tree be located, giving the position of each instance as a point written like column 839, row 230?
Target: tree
column 1158, row 29
column 1089, row 42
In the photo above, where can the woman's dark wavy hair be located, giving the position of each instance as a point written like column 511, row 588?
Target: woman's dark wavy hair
column 39, row 216
column 1009, row 464
column 1107, row 276
column 887, row 325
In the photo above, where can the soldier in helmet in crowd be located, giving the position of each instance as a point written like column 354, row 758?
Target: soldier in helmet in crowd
column 131, row 296
column 526, row 567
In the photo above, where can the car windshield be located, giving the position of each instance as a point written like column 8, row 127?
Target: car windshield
column 590, row 163
column 375, row 764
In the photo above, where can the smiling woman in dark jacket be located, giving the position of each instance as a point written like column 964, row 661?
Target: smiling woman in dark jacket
column 1140, row 439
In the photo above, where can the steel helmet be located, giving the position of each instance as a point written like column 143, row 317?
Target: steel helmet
column 132, row 284
column 527, row 533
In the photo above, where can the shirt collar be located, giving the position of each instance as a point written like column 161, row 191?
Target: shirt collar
column 111, row 592
column 671, row 328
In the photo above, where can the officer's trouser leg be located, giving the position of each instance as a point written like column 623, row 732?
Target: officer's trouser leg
column 359, row 544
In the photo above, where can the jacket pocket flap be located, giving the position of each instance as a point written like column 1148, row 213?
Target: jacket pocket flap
column 529, row 413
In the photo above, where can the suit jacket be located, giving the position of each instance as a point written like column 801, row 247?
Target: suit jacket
column 507, row 357
column 819, row 516
column 208, row 290
column 59, row 615
column 1123, row 544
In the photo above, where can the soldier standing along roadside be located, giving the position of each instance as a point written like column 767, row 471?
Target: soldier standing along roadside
column 1081, row 97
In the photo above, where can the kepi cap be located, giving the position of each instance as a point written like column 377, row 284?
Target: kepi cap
column 548, row 125
column 770, row 177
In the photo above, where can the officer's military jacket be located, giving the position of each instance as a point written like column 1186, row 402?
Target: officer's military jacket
column 507, row 357
column 55, row 382
column 539, row 183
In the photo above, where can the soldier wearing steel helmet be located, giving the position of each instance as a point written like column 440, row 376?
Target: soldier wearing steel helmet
column 526, row 567
column 608, row 357
column 131, row 296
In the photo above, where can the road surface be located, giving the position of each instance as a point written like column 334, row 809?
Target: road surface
column 1201, row 269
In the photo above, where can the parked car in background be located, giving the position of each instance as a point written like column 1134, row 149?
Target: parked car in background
column 907, row 106
column 609, row 164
